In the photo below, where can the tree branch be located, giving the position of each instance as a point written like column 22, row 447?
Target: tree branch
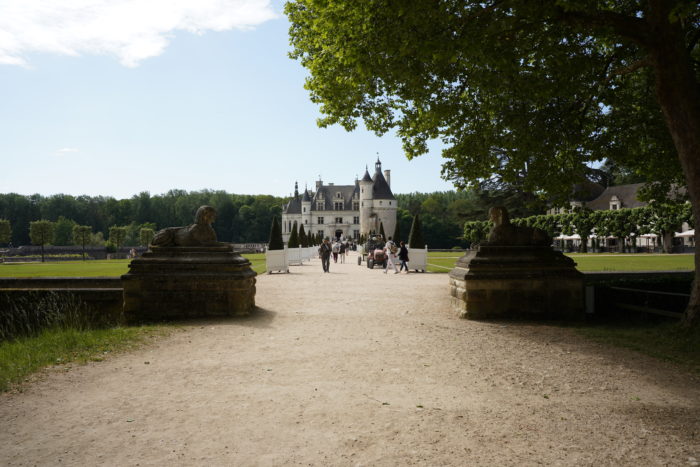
column 633, row 67
column 629, row 27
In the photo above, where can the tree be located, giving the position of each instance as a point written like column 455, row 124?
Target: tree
column 81, row 236
column 146, row 236
column 5, row 231
column 293, row 241
column 117, row 235
column 397, row 231
column 63, row 231
column 275, row 242
column 415, row 238
column 41, row 233
column 560, row 85
column 303, row 241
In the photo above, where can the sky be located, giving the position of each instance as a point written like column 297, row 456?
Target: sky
column 117, row 97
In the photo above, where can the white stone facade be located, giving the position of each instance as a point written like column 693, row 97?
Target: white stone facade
column 343, row 211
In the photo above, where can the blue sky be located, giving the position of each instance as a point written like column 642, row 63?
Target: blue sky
column 115, row 97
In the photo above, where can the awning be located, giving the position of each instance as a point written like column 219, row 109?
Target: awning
column 687, row 233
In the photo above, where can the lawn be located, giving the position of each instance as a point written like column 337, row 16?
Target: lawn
column 110, row 268
column 444, row 261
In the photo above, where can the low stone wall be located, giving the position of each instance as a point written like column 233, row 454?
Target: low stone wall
column 106, row 302
column 102, row 294
column 60, row 283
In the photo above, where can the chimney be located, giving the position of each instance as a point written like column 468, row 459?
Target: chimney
column 387, row 176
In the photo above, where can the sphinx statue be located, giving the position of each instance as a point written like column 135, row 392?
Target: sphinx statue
column 505, row 233
column 201, row 233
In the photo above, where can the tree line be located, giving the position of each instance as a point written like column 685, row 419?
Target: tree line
column 241, row 218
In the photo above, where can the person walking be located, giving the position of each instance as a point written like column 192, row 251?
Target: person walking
column 336, row 250
column 390, row 249
column 325, row 251
column 403, row 257
column 343, row 248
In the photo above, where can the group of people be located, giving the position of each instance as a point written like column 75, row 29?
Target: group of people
column 392, row 251
column 339, row 249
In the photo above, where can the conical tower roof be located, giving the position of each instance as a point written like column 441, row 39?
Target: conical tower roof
column 366, row 177
column 380, row 189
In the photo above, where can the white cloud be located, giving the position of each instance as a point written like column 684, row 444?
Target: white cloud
column 132, row 30
column 63, row 151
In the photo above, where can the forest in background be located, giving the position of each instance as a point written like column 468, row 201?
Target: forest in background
column 241, row 218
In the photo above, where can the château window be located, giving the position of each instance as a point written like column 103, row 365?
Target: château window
column 320, row 232
column 356, row 234
column 319, row 206
column 338, row 205
column 304, row 209
column 356, row 220
column 320, row 220
column 306, row 221
column 337, row 195
column 338, row 220
column 355, row 206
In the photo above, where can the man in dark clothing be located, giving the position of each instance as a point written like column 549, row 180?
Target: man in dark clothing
column 325, row 252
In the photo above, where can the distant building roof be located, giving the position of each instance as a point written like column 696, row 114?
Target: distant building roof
column 626, row 194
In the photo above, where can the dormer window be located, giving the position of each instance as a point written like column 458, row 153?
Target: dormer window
column 337, row 195
column 615, row 203
column 319, row 206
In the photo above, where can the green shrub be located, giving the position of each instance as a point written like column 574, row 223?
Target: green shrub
column 275, row 242
column 415, row 238
column 293, row 237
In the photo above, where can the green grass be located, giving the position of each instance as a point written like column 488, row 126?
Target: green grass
column 666, row 341
column 110, row 268
column 21, row 357
column 633, row 262
column 444, row 261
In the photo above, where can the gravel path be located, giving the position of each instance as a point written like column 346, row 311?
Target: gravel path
column 358, row 368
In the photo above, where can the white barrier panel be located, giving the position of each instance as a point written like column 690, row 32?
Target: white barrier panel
column 277, row 260
column 418, row 259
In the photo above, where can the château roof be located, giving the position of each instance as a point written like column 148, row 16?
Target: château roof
column 293, row 206
column 306, row 197
column 329, row 195
column 366, row 177
column 380, row 189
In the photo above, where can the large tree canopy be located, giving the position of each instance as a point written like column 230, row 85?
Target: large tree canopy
column 528, row 92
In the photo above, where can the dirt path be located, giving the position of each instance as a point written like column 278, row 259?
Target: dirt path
column 358, row 368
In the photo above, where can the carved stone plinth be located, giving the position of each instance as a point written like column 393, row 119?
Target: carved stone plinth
column 522, row 282
column 169, row 283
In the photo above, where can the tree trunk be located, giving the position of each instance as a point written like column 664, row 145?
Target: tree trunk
column 678, row 94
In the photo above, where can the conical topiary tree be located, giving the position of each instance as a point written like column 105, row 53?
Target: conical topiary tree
column 381, row 230
column 275, row 242
column 415, row 238
column 397, row 232
column 303, row 239
column 293, row 241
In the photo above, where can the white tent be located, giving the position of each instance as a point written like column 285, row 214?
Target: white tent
column 687, row 233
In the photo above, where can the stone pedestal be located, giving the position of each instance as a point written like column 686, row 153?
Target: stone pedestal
column 169, row 283
column 522, row 282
